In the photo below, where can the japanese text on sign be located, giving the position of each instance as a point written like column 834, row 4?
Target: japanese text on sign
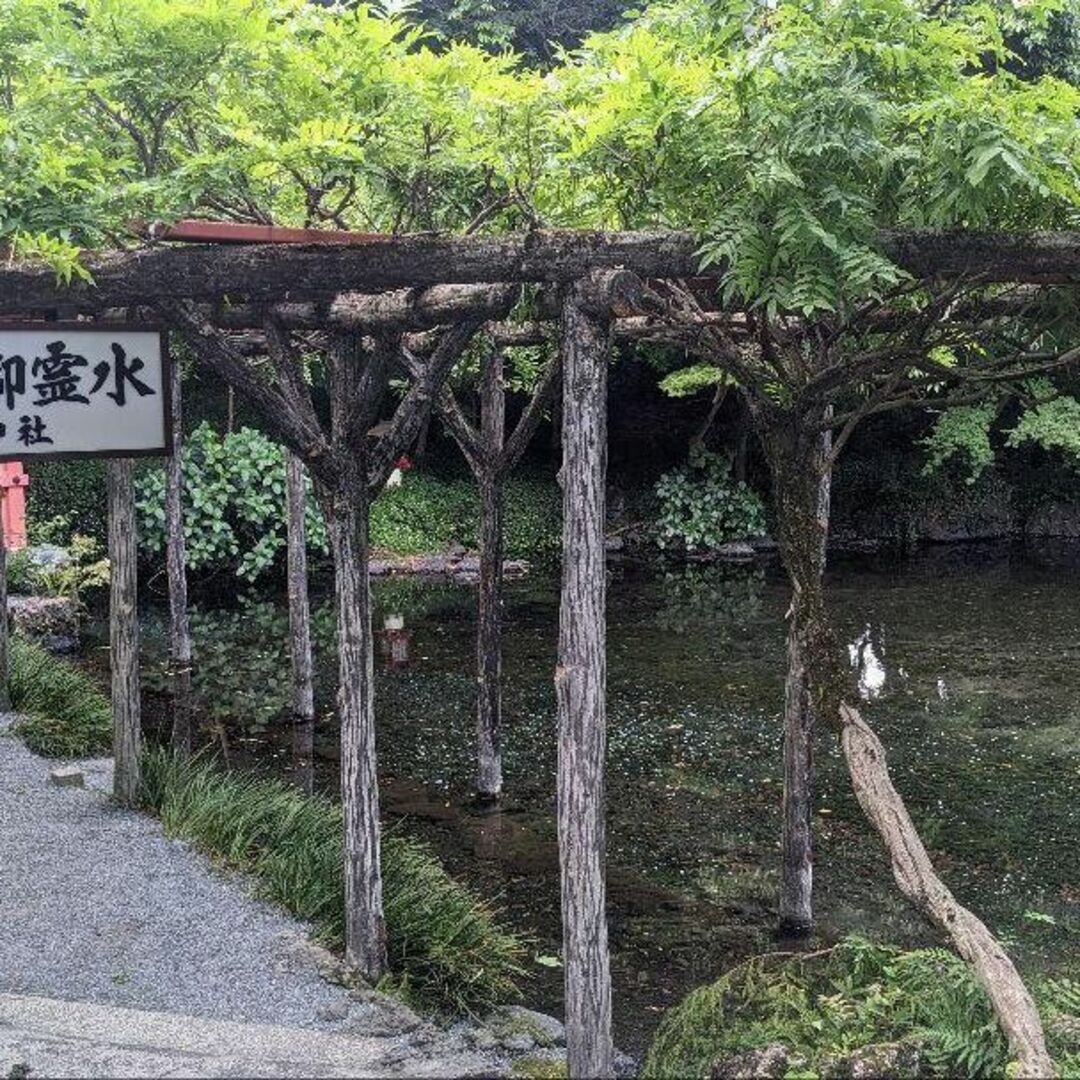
column 66, row 390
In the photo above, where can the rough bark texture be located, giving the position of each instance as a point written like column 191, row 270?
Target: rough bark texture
column 581, row 685
column 277, row 273
column 804, row 484
column 303, row 750
column 303, row 686
column 345, row 508
column 489, row 614
column 124, row 630
column 180, row 653
column 346, row 515
column 801, row 487
column 919, row 882
column 491, row 456
column 489, row 641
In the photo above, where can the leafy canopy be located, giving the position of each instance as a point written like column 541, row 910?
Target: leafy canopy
column 786, row 135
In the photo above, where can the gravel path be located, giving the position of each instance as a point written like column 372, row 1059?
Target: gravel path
column 99, row 910
column 96, row 904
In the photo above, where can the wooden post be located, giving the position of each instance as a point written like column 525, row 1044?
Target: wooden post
column 303, row 690
column 365, row 927
column 489, row 614
column 180, row 652
column 346, row 509
column 124, row 630
column 581, row 681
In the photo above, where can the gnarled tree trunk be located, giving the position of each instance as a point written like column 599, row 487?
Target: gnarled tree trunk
column 801, row 489
column 581, row 685
column 180, row 651
column 799, row 457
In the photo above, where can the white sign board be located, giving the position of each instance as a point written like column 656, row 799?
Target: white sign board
column 68, row 390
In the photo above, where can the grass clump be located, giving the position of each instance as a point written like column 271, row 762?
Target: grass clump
column 445, row 945
column 824, row 1006
column 62, row 712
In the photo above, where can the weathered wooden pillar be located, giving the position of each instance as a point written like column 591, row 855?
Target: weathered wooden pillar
column 365, row 929
column 124, row 630
column 303, row 689
column 489, row 614
column 180, row 652
column 581, row 679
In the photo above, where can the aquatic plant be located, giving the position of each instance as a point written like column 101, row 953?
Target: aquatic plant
column 825, row 1006
column 62, row 712
column 445, row 945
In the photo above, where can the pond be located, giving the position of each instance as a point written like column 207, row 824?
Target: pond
column 973, row 652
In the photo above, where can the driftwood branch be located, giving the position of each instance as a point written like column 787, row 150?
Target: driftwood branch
column 919, row 882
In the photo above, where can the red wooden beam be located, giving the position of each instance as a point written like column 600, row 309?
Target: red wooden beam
column 234, row 232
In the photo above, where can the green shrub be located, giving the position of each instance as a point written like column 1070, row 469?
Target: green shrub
column 234, row 504
column 234, row 509
column 62, row 712
column 444, row 942
column 822, row 1006
column 424, row 514
column 427, row 514
column 701, row 507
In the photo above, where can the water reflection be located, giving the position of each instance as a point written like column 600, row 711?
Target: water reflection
column 970, row 660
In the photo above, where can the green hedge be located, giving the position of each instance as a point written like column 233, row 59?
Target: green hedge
column 445, row 944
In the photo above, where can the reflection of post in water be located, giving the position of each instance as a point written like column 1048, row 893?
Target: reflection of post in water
column 303, row 755
column 395, row 640
column 491, row 832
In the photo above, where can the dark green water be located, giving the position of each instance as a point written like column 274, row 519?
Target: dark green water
column 980, row 710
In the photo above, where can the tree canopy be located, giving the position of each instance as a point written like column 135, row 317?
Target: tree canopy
column 785, row 135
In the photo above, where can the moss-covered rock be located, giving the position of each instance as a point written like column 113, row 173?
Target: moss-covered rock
column 854, row 1011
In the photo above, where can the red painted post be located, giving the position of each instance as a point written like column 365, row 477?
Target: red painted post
column 13, row 484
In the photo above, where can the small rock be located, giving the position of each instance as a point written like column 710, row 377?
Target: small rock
column 543, row 1029
column 48, row 556
column 894, row 1060
column 330, row 1013
column 482, row 1039
column 67, row 776
column 44, row 616
column 614, row 543
column 518, row 1044
column 769, row 1062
